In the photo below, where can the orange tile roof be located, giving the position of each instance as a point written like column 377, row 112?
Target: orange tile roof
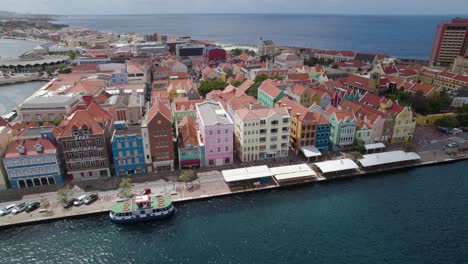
column 269, row 88
column 28, row 144
column 187, row 128
column 158, row 107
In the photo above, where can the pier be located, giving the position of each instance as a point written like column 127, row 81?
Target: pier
column 207, row 186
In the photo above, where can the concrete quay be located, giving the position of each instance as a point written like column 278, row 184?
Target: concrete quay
column 207, row 186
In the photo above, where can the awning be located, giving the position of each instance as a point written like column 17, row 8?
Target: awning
column 193, row 162
column 247, row 173
column 336, row 165
column 374, row 146
column 310, row 151
column 388, row 158
column 292, row 172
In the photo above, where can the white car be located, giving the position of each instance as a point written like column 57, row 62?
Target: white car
column 7, row 210
column 456, row 131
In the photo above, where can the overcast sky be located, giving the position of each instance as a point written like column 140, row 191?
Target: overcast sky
column 423, row 7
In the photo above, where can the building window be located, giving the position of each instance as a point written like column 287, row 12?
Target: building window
column 226, row 131
column 210, row 132
column 219, row 149
column 226, row 148
column 227, row 160
column 160, row 133
column 211, row 162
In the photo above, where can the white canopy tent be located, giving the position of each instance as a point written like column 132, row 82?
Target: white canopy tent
column 311, row 151
column 248, row 173
column 382, row 158
column 336, row 165
column 374, row 146
column 292, row 172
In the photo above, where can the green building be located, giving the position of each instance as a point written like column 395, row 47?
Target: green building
column 268, row 94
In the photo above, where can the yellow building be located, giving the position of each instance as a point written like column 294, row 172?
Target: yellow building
column 429, row 120
column 404, row 125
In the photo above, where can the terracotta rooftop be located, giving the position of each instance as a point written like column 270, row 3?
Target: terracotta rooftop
column 29, row 147
column 255, row 114
column 187, row 129
column 158, row 107
column 269, row 88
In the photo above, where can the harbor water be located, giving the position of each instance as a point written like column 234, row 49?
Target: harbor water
column 411, row 216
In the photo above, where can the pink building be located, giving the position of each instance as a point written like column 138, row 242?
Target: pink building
column 216, row 133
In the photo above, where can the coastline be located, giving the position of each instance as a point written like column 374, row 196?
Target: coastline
column 101, row 209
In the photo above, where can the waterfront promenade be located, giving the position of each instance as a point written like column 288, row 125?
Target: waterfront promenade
column 208, row 185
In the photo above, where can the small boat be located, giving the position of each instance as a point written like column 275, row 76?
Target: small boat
column 142, row 208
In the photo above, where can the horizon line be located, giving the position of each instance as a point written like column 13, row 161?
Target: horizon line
column 246, row 13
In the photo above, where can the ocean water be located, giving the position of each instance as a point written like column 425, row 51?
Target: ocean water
column 399, row 36
column 413, row 216
column 14, row 48
column 13, row 94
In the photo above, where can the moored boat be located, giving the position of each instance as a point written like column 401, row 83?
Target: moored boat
column 141, row 208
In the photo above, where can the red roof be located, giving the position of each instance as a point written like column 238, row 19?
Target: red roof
column 424, row 88
column 298, row 76
column 350, row 64
column 296, row 109
column 389, row 68
column 47, row 147
column 159, row 107
column 462, row 77
column 269, row 88
column 187, row 128
column 85, row 68
column 373, row 99
column 80, row 119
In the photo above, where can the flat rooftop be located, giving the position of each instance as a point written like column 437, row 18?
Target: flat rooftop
column 336, row 165
column 390, row 157
column 292, row 172
column 248, row 173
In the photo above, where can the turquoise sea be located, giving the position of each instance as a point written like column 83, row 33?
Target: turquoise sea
column 412, row 216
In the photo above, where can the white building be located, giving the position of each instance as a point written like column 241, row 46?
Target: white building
column 262, row 134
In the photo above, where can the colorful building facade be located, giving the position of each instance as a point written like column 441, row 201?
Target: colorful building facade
column 127, row 150
column 216, row 133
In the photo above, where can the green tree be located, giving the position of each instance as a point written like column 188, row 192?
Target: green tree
column 463, row 119
column 125, row 187
column 360, row 146
column 207, row 86
column 45, row 204
column 409, row 147
column 236, row 83
column 448, row 121
column 64, row 194
column 355, row 155
column 186, row 176
column 57, row 122
column 236, row 52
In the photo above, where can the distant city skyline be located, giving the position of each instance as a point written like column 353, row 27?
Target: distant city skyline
column 355, row 7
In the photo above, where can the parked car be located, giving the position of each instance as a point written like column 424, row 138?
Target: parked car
column 452, row 145
column 32, row 206
column 91, row 199
column 80, row 200
column 7, row 210
column 443, row 129
column 19, row 208
column 146, row 191
column 456, row 131
column 69, row 203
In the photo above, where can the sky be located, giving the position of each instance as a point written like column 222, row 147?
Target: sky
column 402, row 7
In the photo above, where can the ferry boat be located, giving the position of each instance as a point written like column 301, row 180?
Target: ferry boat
column 141, row 208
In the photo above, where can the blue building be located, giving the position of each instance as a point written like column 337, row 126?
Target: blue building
column 322, row 140
column 33, row 162
column 127, row 150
